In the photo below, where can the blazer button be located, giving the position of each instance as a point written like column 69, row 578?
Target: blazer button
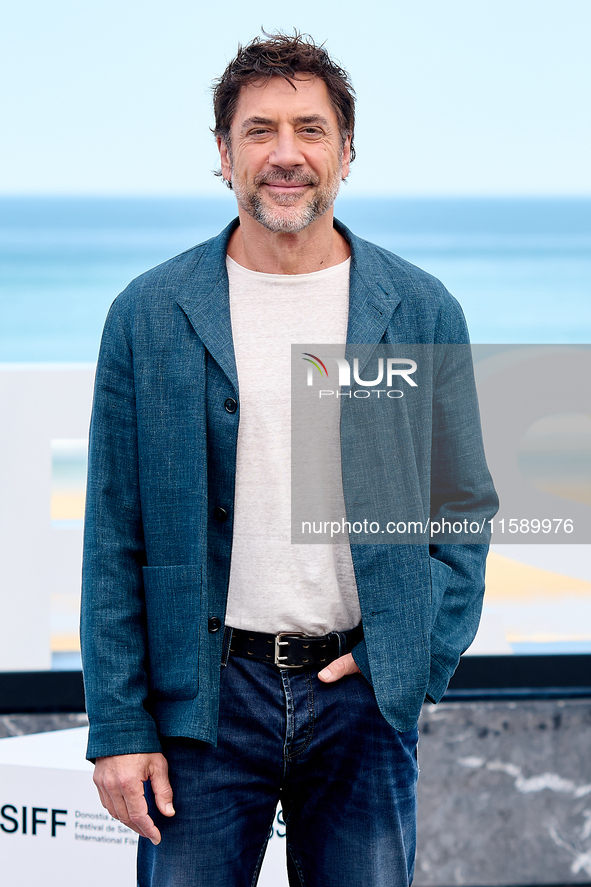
column 231, row 405
column 220, row 514
column 214, row 624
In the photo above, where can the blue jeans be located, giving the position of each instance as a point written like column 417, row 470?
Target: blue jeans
column 345, row 778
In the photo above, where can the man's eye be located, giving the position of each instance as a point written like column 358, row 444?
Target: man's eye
column 311, row 132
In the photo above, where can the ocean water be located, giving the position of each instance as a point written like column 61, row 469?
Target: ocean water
column 521, row 268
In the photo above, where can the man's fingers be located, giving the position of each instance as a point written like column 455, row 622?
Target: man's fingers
column 162, row 788
column 135, row 816
column 143, row 824
column 107, row 801
column 130, row 807
column 120, row 782
column 338, row 668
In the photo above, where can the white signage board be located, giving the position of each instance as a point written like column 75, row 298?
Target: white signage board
column 54, row 830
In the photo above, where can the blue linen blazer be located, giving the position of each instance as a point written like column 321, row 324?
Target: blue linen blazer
column 162, row 458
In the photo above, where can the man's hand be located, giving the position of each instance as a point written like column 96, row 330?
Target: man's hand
column 338, row 668
column 120, row 779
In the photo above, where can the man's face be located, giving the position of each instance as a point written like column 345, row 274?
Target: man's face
column 285, row 159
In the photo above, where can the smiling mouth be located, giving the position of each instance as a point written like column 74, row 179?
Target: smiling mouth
column 291, row 180
column 292, row 186
column 287, row 190
column 287, row 193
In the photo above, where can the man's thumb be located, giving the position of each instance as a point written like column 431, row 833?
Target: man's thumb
column 162, row 793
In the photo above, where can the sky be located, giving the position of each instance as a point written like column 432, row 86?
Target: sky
column 455, row 97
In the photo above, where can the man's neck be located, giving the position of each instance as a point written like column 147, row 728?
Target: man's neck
column 316, row 247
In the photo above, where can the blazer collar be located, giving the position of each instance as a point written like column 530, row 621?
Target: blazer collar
column 206, row 302
column 372, row 296
column 206, row 299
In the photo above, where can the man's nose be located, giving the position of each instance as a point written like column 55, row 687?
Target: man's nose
column 286, row 151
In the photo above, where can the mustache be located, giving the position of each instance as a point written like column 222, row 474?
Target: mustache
column 288, row 176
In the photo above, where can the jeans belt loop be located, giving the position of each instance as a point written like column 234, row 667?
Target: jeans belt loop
column 227, row 643
column 341, row 639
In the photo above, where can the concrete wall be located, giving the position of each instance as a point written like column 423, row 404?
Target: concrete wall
column 505, row 794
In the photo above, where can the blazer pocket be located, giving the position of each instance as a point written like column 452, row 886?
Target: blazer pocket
column 173, row 611
column 440, row 574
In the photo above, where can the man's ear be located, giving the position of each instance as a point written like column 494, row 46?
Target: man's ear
column 225, row 162
column 346, row 157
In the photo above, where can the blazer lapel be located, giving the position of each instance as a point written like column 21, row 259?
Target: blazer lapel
column 206, row 302
column 372, row 300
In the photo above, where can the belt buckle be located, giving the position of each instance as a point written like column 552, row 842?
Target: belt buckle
column 279, row 643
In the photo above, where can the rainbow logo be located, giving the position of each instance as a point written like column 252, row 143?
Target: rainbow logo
column 315, row 361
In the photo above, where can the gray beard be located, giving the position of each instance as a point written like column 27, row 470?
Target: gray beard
column 274, row 218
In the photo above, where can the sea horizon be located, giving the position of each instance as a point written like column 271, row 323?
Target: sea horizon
column 519, row 266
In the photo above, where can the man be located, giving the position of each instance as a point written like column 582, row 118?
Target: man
column 187, row 527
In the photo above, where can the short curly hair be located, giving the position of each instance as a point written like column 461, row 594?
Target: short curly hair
column 282, row 55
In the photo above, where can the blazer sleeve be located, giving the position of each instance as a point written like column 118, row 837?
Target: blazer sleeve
column 113, row 632
column 461, row 488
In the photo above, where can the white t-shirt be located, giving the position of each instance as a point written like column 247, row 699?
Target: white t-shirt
column 274, row 585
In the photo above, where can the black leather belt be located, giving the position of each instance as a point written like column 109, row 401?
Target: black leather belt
column 291, row 649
